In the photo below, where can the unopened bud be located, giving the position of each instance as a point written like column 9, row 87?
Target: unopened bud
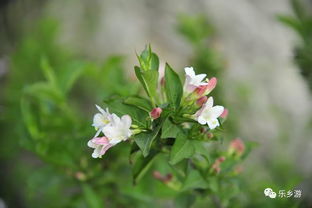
column 206, row 89
column 80, row 176
column 201, row 101
column 237, row 146
column 224, row 113
column 216, row 165
column 155, row 113
column 165, row 179
column 157, row 175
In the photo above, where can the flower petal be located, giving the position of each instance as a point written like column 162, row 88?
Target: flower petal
column 201, row 120
column 91, row 144
column 209, row 103
column 96, row 152
column 105, row 148
column 100, row 109
column 126, row 120
column 189, row 71
column 213, row 123
column 100, row 140
column 217, row 111
column 97, row 120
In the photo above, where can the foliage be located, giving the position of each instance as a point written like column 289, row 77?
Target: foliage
column 197, row 163
column 301, row 23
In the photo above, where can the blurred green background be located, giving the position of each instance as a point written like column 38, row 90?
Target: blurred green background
column 59, row 58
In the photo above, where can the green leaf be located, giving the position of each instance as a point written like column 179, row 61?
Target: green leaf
column 181, row 149
column 145, row 140
column 150, row 78
column 291, row 22
column 48, row 71
column 154, row 63
column 173, row 87
column 70, row 74
column 138, row 74
column 29, row 119
column 44, row 91
column 117, row 105
column 149, row 81
column 148, row 60
column 194, row 180
column 139, row 102
column 142, row 165
column 92, row 199
column 185, row 200
column 169, row 130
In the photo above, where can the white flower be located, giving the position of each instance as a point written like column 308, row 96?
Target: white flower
column 100, row 120
column 192, row 81
column 118, row 130
column 209, row 114
column 115, row 131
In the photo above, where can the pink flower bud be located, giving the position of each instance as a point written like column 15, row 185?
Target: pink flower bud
column 221, row 159
column 216, row 165
column 155, row 113
column 206, row 89
column 201, row 101
column 237, row 146
column 224, row 113
column 157, row 175
column 165, row 179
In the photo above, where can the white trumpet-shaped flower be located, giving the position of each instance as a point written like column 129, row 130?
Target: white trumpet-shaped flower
column 208, row 114
column 100, row 120
column 115, row 131
column 192, row 81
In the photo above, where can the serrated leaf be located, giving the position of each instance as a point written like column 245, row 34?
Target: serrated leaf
column 181, row 149
column 169, row 130
column 139, row 102
column 144, row 140
column 173, row 87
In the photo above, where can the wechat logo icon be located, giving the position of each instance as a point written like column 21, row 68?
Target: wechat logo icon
column 268, row 192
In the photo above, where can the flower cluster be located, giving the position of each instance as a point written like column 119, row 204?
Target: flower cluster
column 169, row 111
column 115, row 130
column 196, row 87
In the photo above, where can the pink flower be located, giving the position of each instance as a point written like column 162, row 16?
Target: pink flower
column 237, row 146
column 224, row 113
column 201, row 101
column 100, row 145
column 206, row 89
column 155, row 113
